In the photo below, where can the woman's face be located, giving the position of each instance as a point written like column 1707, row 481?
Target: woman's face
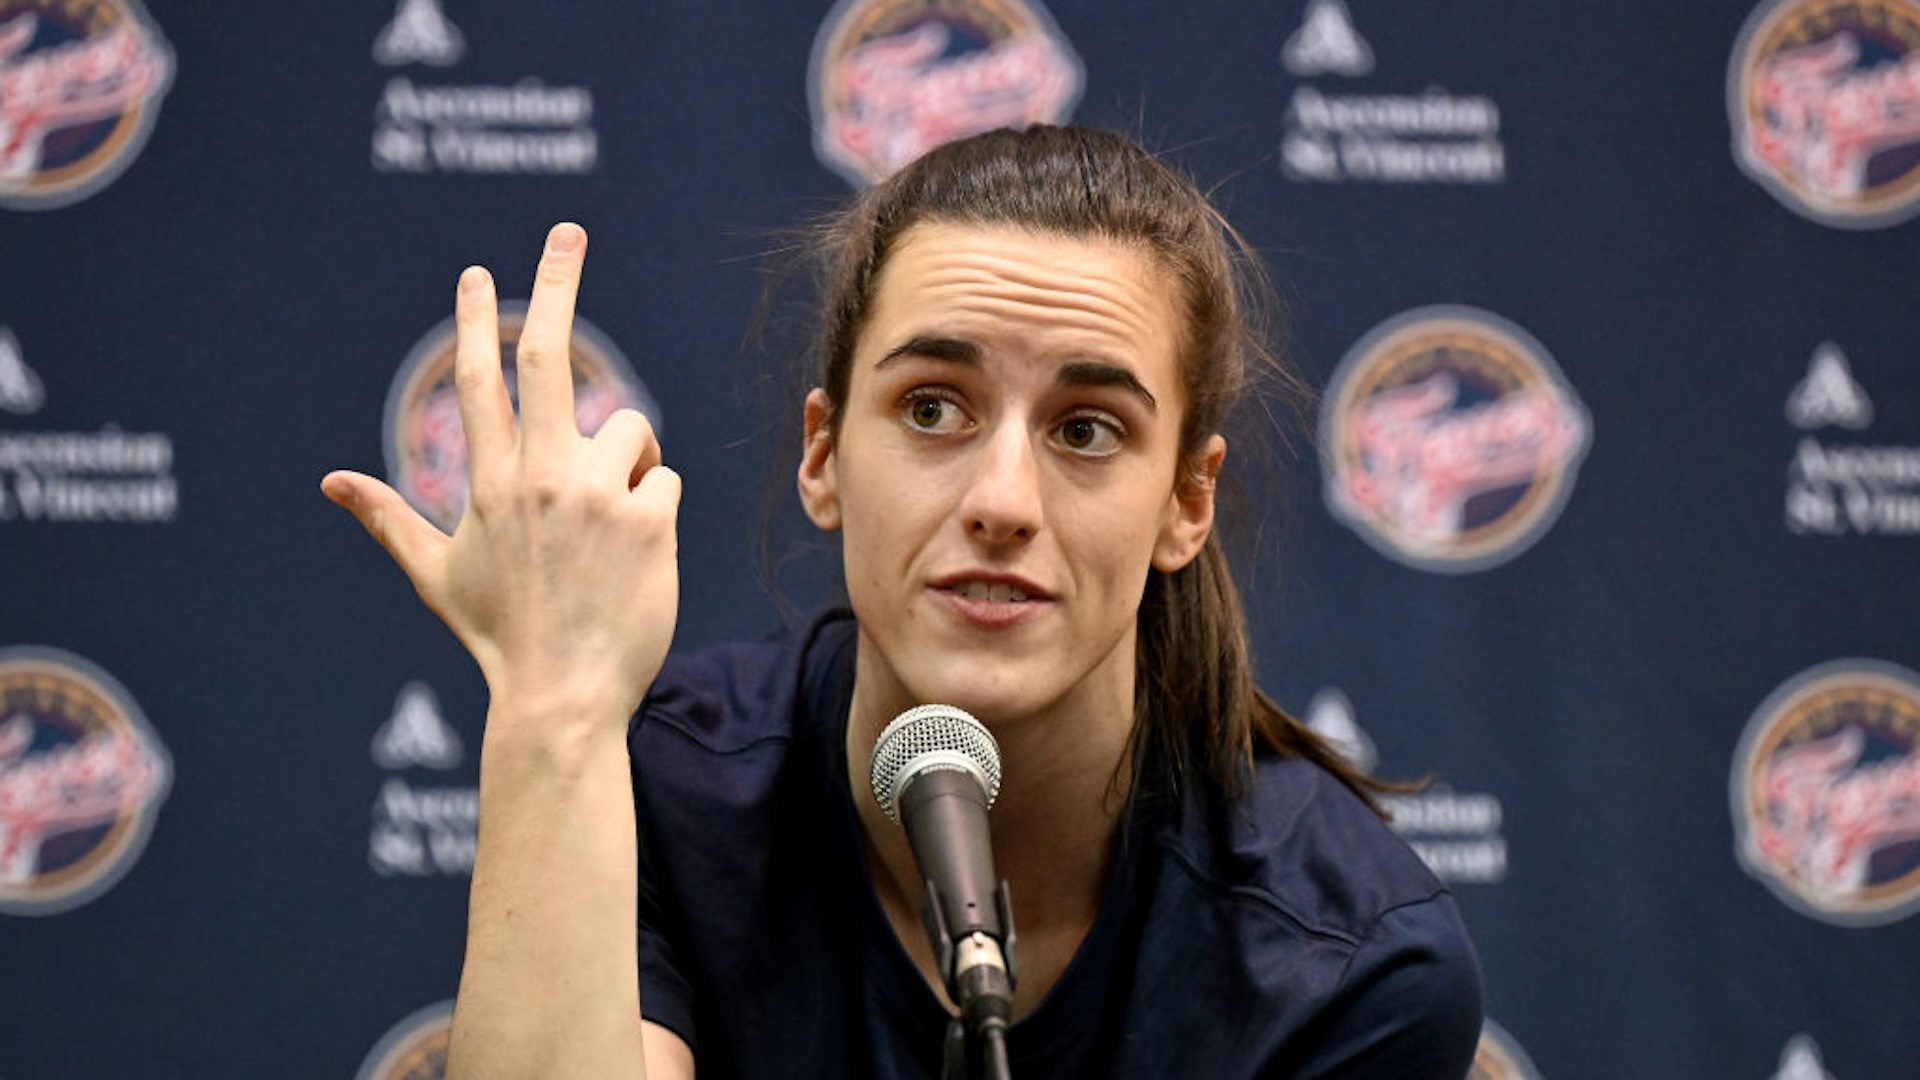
column 1004, row 470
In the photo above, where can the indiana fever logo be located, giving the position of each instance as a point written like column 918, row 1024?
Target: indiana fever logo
column 1499, row 1057
column 892, row 79
column 1449, row 439
column 426, row 449
column 414, row 1049
column 81, row 779
column 1825, row 104
column 80, row 85
column 1826, row 793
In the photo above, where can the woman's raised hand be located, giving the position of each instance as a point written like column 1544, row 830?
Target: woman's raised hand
column 561, row 578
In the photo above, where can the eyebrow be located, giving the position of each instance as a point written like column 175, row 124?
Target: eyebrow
column 1074, row 373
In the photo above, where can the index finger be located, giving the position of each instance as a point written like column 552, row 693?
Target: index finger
column 545, row 356
column 486, row 416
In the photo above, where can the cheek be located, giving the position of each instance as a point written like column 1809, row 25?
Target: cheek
column 1116, row 534
column 884, row 512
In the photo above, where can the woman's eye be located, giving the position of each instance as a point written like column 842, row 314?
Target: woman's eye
column 928, row 412
column 1091, row 435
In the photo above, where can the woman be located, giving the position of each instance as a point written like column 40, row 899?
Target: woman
column 1030, row 344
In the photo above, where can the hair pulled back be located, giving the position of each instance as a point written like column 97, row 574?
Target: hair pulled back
column 1194, row 688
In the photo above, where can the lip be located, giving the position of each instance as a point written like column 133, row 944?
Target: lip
column 960, row 593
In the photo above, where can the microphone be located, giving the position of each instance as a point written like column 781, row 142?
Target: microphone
column 936, row 770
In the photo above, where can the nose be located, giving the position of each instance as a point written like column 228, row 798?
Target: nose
column 1002, row 501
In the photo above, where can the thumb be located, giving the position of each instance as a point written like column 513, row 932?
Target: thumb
column 410, row 539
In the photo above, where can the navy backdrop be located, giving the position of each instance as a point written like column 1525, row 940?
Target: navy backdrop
column 1609, row 522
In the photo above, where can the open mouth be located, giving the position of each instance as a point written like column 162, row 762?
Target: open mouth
column 992, row 592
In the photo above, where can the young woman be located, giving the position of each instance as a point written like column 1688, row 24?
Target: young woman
column 1030, row 344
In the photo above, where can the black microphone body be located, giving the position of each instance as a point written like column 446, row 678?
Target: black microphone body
column 936, row 770
column 944, row 811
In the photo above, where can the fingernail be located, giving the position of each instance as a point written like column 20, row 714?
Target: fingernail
column 474, row 279
column 565, row 237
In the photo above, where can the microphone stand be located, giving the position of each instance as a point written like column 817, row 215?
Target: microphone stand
column 980, row 973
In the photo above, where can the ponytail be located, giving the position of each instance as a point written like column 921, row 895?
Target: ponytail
column 1194, row 691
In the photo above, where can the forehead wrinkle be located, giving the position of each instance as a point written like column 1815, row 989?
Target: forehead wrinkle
column 1085, row 261
column 1075, row 300
column 1013, row 284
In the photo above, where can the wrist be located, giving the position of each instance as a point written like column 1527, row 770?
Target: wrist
column 562, row 729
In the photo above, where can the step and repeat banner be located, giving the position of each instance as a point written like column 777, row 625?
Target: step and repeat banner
column 1608, row 522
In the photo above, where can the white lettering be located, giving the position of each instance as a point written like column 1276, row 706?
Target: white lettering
column 525, row 129
column 1886, row 466
column 1433, row 113
column 528, row 103
column 1866, row 490
column 1396, row 160
column 398, row 149
column 108, row 451
column 1477, row 861
column 1813, row 510
column 60, row 499
column 1883, row 512
column 1427, row 138
column 1432, row 813
column 421, row 832
column 1309, row 157
column 458, row 150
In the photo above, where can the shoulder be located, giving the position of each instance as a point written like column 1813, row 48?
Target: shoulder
column 726, row 698
column 1299, row 842
column 1302, row 868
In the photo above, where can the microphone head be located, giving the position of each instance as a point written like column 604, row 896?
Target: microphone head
column 932, row 737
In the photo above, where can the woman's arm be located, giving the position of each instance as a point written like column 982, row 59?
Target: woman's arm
column 562, row 581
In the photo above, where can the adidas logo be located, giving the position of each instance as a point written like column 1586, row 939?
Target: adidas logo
column 1330, row 716
column 416, row 734
column 1829, row 396
column 419, row 33
column 21, row 392
column 1801, row 1061
column 1326, row 43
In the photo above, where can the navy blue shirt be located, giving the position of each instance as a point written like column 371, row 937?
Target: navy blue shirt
column 1286, row 933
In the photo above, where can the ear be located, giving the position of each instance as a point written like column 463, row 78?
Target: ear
column 819, row 482
column 1190, row 510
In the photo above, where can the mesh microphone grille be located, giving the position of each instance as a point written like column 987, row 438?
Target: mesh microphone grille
column 932, row 735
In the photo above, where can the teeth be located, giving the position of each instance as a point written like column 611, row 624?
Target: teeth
column 994, row 592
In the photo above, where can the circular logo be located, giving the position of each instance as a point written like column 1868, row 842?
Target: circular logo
column 1499, row 1057
column 1826, row 793
column 1824, row 98
column 81, row 779
column 413, row 1049
column 426, row 448
column 80, row 86
column 892, row 79
column 1449, row 439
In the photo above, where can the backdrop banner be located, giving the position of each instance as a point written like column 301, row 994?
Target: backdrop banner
column 1607, row 518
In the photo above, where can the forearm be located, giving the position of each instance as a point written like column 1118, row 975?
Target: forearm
column 562, row 581
column 551, row 982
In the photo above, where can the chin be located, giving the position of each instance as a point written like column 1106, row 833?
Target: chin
column 998, row 702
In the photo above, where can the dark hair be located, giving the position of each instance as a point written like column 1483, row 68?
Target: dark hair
column 1194, row 658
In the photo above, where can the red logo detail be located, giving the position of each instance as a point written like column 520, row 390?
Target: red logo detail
column 1419, row 461
column 1826, row 792
column 1826, row 815
column 903, row 99
column 1822, row 121
column 74, row 83
column 1449, row 439
column 81, row 785
column 892, row 79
